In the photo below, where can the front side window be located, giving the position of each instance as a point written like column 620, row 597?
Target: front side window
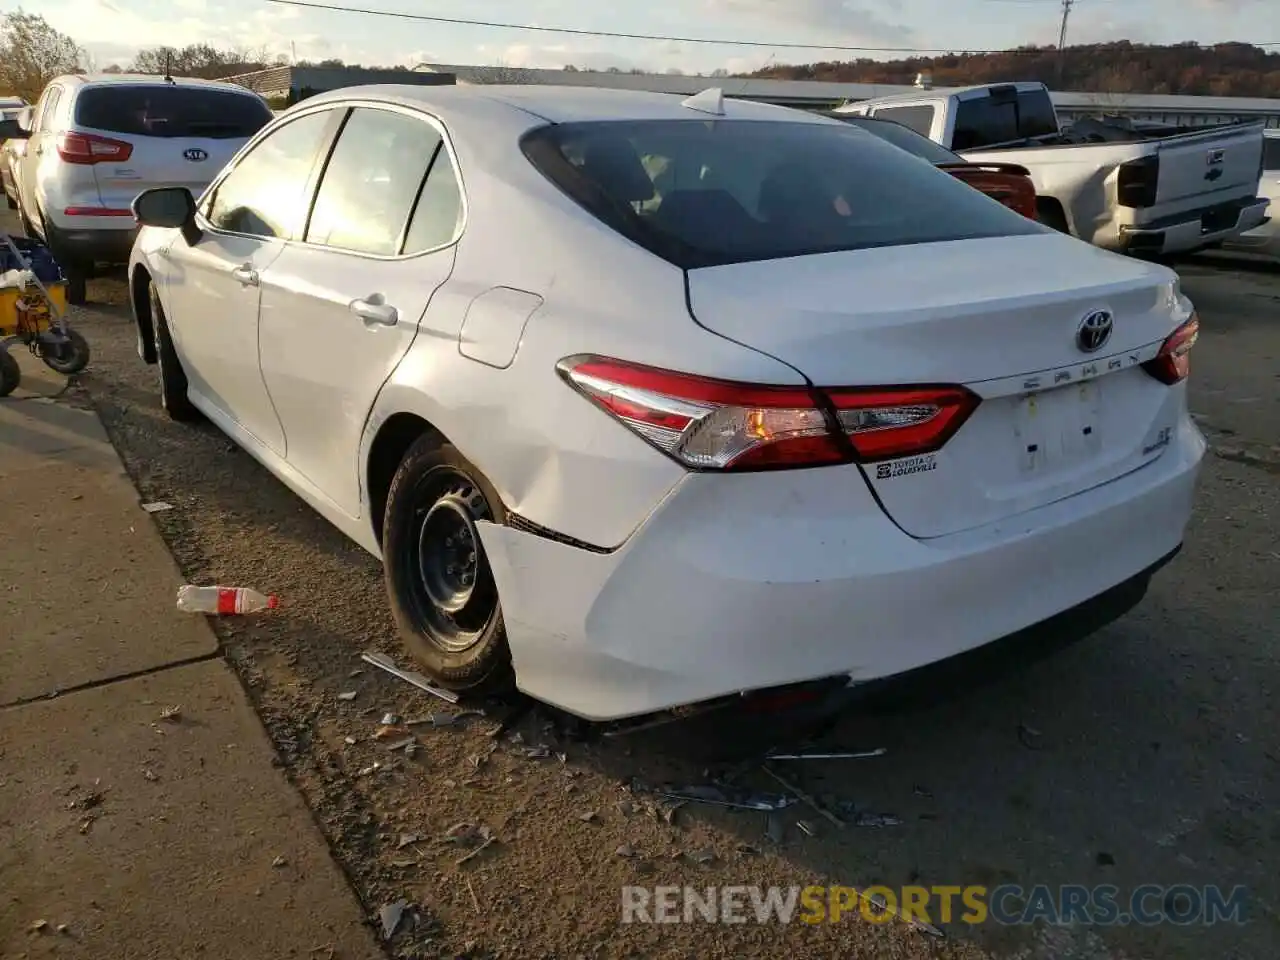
column 265, row 195
column 700, row 193
column 371, row 181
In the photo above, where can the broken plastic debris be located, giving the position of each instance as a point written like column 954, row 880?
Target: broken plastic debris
column 806, row 828
column 406, row 839
column 158, row 507
column 719, row 798
column 171, row 714
column 383, row 662
column 279, row 862
column 1029, row 736
column 590, row 816
column 401, row 744
column 39, row 926
column 842, row 755
column 443, row 719
column 347, row 695
column 391, row 914
column 625, row 851
column 813, row 804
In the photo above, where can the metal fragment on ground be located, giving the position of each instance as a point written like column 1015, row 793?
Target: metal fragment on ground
column 876, row 820
column 347, row 695
column 389, row 719
column 405, row 744
column 171, row 714
column 814, row 804
column 384, row 662
column 540, row 752
column 719, row 798
column 443, row 719
column 806, row 828
column 158, row 506
column 390, row 915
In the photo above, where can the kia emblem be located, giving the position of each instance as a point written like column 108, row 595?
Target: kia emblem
column 195, row 154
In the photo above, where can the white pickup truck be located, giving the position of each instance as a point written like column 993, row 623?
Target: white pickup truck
column 1143, row 196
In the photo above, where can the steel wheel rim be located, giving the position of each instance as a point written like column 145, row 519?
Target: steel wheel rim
column 453, row 605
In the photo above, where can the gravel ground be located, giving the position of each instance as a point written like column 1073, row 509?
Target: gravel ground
column 1147, row 754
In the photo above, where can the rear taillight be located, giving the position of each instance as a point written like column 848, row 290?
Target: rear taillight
column 707, row 424
column 1136, row 182
column 89, row 148
column 1173, row 363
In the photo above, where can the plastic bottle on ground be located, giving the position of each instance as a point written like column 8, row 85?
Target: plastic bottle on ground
column 223, row 600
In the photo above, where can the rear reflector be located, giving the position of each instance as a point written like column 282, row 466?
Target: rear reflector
column 1173, row 363
column 97, row 212
column 89, row 148
column 707, row 424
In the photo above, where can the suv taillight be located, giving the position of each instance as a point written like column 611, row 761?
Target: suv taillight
column 1137, row 182
column 1173, row 363
column 89, row 148
column 706, row 424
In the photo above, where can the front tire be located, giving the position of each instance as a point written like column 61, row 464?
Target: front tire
column 441, row 588
column 173, row 379
column 73, row 358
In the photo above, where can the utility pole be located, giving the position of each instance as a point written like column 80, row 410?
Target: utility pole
column 1062, row 39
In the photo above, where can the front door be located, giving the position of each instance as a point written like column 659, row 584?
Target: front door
column 341, row 310
column 214, row 287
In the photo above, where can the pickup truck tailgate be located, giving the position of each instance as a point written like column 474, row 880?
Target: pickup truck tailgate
column 1221, row 163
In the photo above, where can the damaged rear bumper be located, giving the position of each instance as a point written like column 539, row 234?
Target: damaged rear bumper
column 743, row 583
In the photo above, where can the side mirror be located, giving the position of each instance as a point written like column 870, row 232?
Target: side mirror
column 168, row 207
column 27, row 119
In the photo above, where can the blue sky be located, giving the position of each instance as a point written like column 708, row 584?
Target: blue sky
column 112, row 30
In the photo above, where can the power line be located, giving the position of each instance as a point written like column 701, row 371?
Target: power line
column 580, row 32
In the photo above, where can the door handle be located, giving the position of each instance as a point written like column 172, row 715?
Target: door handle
column 246, row 275
column 375, row 309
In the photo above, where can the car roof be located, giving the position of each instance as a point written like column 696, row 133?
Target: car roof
column 149, row 79
column 558, row 104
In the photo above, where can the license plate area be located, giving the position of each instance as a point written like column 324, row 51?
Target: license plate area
column 1058, row 428
column 1218, row 219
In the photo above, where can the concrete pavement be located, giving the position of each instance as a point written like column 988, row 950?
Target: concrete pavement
column 124, row 834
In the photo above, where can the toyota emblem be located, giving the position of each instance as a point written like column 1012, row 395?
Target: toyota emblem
column 1094, row 330
column 195, row 154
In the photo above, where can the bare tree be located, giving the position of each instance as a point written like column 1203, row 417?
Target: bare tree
column 202, row 60
column 32, row 53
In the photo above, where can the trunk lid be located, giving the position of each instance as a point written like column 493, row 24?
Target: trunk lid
column 1223, row 162
column 1000, row 316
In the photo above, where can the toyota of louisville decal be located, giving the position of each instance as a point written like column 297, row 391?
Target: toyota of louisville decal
column 907, row 466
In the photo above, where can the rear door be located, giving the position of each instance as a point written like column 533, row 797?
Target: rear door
column 177, row 135
column 340, row 310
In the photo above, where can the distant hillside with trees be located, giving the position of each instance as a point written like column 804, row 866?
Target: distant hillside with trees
column 1224, row 70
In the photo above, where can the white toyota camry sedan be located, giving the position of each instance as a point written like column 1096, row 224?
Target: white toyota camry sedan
column 647, row 403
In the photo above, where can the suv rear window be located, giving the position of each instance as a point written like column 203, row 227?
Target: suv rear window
column 159, row 110
column 701, row 193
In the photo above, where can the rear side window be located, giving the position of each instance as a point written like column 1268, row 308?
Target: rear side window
column 908, row 140
column 161, row 110
column 919, row 119
column 371, row 181
column 700, row 193
column 1001, row 117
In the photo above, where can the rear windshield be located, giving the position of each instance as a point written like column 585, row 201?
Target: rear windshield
column 905, row 138
column 706, row 192
column 1003, row 115
column 155, row 110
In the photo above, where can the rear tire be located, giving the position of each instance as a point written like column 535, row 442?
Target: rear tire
column 1051, row 215
column 10, row 373
column 173, row 379
column 441, row 589
column 76, row 270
